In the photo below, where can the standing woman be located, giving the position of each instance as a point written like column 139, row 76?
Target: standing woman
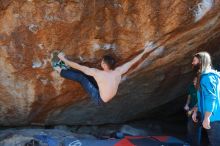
column 208, row 97
column 193, row 129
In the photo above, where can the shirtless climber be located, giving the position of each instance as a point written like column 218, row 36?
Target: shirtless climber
column 107, row 79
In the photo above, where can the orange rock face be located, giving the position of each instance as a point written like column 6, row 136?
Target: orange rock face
column 30, row 30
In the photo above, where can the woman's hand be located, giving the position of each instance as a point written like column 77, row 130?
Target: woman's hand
column 194, row 117
column 186, row 107
column 206, row 123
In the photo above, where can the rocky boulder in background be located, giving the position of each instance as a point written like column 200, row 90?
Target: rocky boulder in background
column 31, row 30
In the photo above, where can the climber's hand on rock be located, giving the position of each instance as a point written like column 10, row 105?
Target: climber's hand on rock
column 61, row 56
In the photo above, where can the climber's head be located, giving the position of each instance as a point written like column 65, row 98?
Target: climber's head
column 108, row 62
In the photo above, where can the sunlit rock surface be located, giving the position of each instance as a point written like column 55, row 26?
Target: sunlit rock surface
column 30, row 30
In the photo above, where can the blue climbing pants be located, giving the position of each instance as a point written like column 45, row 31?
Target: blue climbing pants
column 87, row 82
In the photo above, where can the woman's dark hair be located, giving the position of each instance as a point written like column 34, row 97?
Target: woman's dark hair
column 110, row 61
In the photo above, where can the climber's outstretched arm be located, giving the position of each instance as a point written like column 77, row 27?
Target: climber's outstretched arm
column 125, row 67
column 84, row 69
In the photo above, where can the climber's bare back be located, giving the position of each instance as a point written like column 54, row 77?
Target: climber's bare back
column 108, row 82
